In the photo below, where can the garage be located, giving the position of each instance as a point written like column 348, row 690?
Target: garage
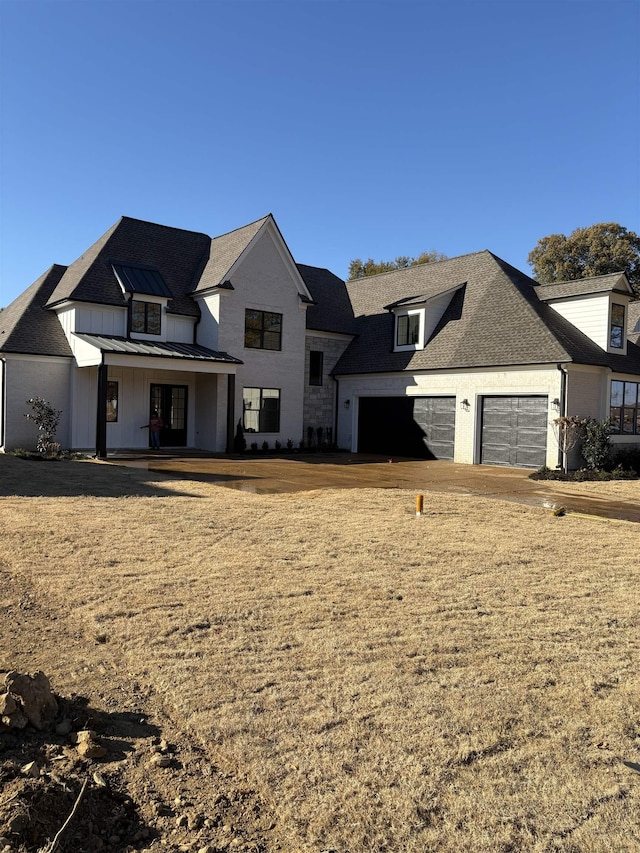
column 514, row 431
column 423, row 427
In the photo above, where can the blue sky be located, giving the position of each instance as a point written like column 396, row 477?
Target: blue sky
column 369, row 129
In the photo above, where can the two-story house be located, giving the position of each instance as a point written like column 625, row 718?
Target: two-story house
column 465, row 359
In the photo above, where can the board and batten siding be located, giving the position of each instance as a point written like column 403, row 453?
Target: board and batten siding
column 590, row 315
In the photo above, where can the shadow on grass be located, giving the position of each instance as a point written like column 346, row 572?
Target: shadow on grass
column 78, row 478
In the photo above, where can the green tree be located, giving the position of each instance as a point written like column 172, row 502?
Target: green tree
column 597, row 250
column 361, row 269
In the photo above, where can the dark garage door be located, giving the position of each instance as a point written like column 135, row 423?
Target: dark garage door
column 514, row 431
column 407, row 426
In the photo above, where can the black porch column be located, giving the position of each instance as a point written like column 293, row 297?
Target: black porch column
column 231, row 414
column 101, row 414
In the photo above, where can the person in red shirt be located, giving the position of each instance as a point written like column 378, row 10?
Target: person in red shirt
column 155, row 425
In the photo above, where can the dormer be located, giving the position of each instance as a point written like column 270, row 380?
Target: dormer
column 416, row 318
column 597, row 306
column 147, row 294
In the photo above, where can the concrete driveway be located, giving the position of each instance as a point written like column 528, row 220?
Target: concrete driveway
column 303, row 472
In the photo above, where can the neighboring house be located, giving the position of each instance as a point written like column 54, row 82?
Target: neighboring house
column 465, row 359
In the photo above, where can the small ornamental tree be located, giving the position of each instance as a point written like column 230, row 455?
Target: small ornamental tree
column 568, row 430
column 46, row 419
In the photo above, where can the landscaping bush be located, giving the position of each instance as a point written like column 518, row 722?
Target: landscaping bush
column 596, row 442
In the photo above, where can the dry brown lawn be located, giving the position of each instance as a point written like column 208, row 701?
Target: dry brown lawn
column 467, row 680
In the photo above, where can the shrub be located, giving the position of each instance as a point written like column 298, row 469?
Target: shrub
column 254, row 446
column 265, row 446
column 278, row 445
column 596, row 442
column 289, row 444
column 46, row 419
column 239, row 441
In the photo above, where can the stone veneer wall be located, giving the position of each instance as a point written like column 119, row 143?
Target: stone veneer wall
column 319, row 400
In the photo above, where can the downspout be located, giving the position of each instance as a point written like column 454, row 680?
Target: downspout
column 3, row 402
column 335, row 412
column 563, row 406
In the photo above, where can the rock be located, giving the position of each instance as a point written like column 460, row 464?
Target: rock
column 32, row 694
column 64, row 727
column 87, row 745
column 159, row 760
column 7, row 704
column 182, row 820
column 30, row 769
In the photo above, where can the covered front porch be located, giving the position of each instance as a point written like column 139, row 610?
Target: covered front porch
column 119, row 383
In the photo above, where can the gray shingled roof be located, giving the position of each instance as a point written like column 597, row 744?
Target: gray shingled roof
column 584, row 287
column 178, row 255
column 633, row 322
column 495, row 319
column 224, row 251
column 331, row 311
column 26, row 327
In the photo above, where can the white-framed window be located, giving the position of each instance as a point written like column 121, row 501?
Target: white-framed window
column 409, row 327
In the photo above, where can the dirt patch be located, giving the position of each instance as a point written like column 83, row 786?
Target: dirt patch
column 154, row 787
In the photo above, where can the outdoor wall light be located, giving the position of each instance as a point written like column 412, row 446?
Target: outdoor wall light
column 347, row 403
column 556, row 404
column 465, row 405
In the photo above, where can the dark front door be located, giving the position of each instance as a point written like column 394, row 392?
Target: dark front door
column 170, row 401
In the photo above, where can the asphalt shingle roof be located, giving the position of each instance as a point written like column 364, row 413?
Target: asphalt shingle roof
column 495, row 318
column 224, row 251
column 178, row 255
column 583, row 286
column 332, row 311
column 26, row 327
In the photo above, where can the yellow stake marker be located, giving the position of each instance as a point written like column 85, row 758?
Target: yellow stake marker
column 419, row 504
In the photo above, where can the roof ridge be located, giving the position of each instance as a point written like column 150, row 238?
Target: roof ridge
column 416, row 266
column 241, row 227
column 160, row 225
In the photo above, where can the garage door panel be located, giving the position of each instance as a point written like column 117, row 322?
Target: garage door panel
column 407, row 426
column 514, row 431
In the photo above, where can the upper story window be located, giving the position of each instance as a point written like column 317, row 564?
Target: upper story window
column 316, row 358
column 616, row 329
column 408, row 329
column 262, row 329
column 146, row 317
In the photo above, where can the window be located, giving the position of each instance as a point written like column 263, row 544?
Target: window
column 408, row 329
column 625, row 408
column 616, row 335
column 146, row 317
column 316, row 358
column 261, row 409
column 112, row 402
column 262, row 329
